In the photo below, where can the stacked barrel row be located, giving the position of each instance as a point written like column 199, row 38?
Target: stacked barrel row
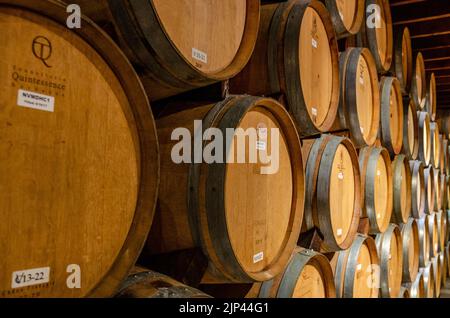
column 346, row 196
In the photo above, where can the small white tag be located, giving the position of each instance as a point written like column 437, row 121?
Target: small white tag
column 378, row 216
column 361, row 80
column 314, row 43
column 30, row 277
column 258, row 257
column 359, row 267
column 436, row 246
column 390, row 256
column 35, row 101
column 261, row 145
column 362, row 130
column 200, row 56
column 378, row 173
column 339, row 232
column 314, row 111
column 341, row 176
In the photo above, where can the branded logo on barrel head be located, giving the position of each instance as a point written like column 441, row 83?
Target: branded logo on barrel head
column 42, row 49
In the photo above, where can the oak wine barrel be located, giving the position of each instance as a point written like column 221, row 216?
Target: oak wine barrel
column 444, row 267
column 404, row 293
column 359, row 103
column 391, row 118
column 441, row 218
column 377, row 185
column 143, row 283
column 401, row 175
column 424, row 241
column 411, row 250
column 443, row 189
column 333, row 191
column 437, row 270
column 435, row 145
column 424, row 137
column 429, row 189
column 244, row 212
column 429, row 282
column 379, row 36
column 410, row 146
column 402, row 58
column 390, row 253
column 355, row 275
column 79, row 163
column 418, row 287
column 308, row 275
column 418, row 83
column 430, row 98
column 418, row 190
column 180, row 45
column 296, row 55
column 437, row 190
column 433, row 234
column 347, row 16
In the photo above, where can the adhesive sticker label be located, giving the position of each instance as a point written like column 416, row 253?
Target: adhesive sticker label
column 200, row 56
column 258, row 257
column 261, row 145
column 30, row 277
column 35, row 101
column 314, row 43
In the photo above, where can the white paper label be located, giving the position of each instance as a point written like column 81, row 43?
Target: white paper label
column 390, row 256
column 314, row 111
column 35, row 101
column 261, row 145
column 258, row 257
column 30, row 277
column 361, row 80
column 314, row 43
column 362, row 130
column 359, row 267
column 339, row 232
column 200, row 56
column 341, row 176
column 378, row 173
column 378, row 216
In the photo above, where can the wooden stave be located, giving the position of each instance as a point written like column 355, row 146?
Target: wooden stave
column 393, row 146
column 368, row 158
column 419, row 100
column 368, row 39
column 410, row 231
column 398, row 216
column 397, row 64
column 221, row 267
column 317, row 176
column 383, row 242
column 343, row 271
column 341, row 30
column 430, row 97
column 437, row 190
column 429, row 283
column 284, row 285
column 148, row 141
column 348, row 112
column 443, row 157
column 448, row 226
column 137, row 27
column 435, row 145
column 417, row 173
column 424, row 128
column 144, row 283
column 444, row 267
column 424, row 241
column 412, row 154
